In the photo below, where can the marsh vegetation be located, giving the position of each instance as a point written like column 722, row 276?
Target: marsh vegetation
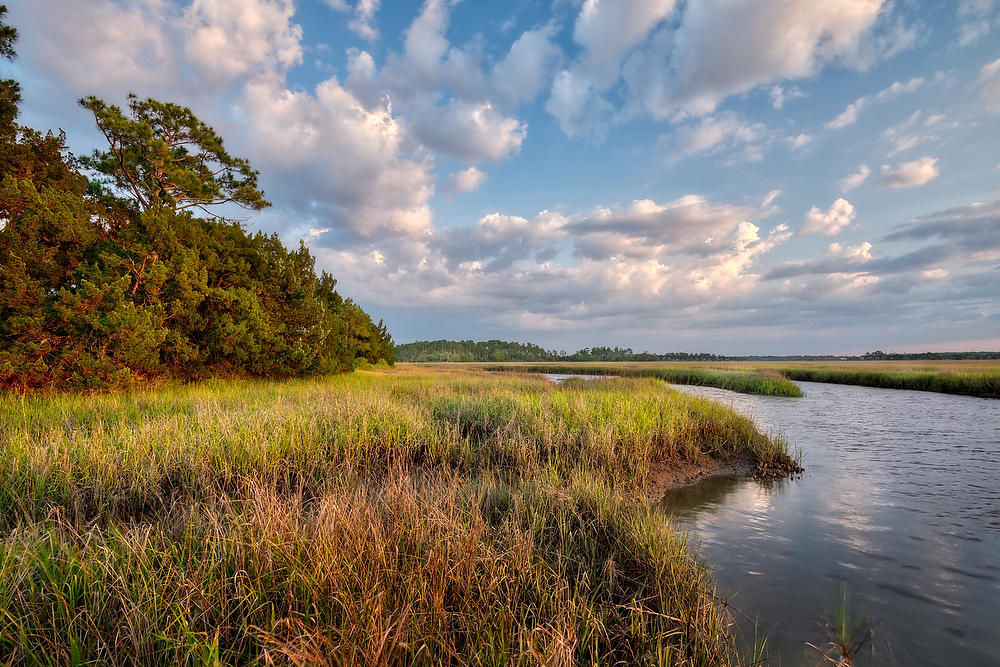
column 970, row 378
column 427, row 516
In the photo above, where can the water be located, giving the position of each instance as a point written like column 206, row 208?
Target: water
column 900, row 501
column 559, row 378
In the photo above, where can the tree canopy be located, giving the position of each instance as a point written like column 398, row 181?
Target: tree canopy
column 162, row 156
column 111, row 283
column 10, row 90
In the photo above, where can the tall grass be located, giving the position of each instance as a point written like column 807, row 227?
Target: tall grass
column 411, row 517
column 985, row 384
column 767, row 383
column 971, row 378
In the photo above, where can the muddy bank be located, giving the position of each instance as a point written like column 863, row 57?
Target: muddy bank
column 665, row 476
column 676, row 474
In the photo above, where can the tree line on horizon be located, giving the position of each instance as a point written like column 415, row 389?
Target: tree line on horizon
column 108, row 278
column 499, row 350
column 509, row 351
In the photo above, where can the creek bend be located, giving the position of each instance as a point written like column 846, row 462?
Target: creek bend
column 900, row 502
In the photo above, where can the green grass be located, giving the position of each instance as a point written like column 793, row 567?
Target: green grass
column 985, row 384
column 765, row 383
column 407, row 517
column 971, row 378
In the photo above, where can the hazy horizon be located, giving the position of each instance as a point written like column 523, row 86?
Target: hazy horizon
column 740, row 178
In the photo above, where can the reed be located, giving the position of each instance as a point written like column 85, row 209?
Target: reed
column 405, row 517
column 767, row 383
column 985, row 383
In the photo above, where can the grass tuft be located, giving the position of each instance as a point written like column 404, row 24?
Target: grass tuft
column 417, row 517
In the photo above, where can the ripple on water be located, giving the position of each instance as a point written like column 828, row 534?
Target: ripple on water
column 900, row 500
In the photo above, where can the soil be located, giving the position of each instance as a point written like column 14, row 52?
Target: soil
column 677, row 474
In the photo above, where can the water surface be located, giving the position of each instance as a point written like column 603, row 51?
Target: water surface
column 900, row 501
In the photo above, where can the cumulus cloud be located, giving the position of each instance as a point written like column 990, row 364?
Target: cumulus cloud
column 528, row 66
column 852, row 181
column 232, row 38
column 954, row 238
column 351, row 161
column 455, row 103
column 466, row 180
column 667, row 55
column 649, row 259
column 829, row 222
column 576, row 105
column 497, row 241
column 608, row 29
column 370, row 188
column 468, row 131
column 122, row 47
column 758, row 50
column 363, row 23
column 909, row 174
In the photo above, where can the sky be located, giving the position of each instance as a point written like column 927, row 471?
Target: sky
column 727, row 176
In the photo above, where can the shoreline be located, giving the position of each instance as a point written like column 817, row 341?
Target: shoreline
column 980, row 379
column 665, row 477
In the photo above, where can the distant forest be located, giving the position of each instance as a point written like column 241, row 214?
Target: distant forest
column 108, row 278
column 499, row 350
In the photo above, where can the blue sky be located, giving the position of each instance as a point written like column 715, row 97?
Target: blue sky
column 736, row 177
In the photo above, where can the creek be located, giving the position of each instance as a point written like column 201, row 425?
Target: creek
column 899, row 506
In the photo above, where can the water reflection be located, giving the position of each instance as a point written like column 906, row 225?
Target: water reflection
column 900, row 499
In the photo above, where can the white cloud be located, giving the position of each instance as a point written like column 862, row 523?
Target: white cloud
column 643, row 257
column 100, row 47
column 989, row 84
column 799, row 141
column 858, row 253
column 829, row 222
column 235, row 38
column 466, row 180
column 898, row 88
column 779, row 95
column 769, row 199
column 975, row 19
column 367, row 188
column 909, row 174
column 455, row 105
column 468, row 131
column 849, row 115
column 671, row 62
column 848, row 183
column 712, row 133
column 363, row 23
column 528, row 66
column 758, row 47
column 902, row 136
column 575, row 104
column 608, row 29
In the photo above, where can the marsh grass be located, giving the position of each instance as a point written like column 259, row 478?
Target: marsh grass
column 406, row 517
column 767, row 383
column 972, row 378
column 849, row 631
column 983, row 383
